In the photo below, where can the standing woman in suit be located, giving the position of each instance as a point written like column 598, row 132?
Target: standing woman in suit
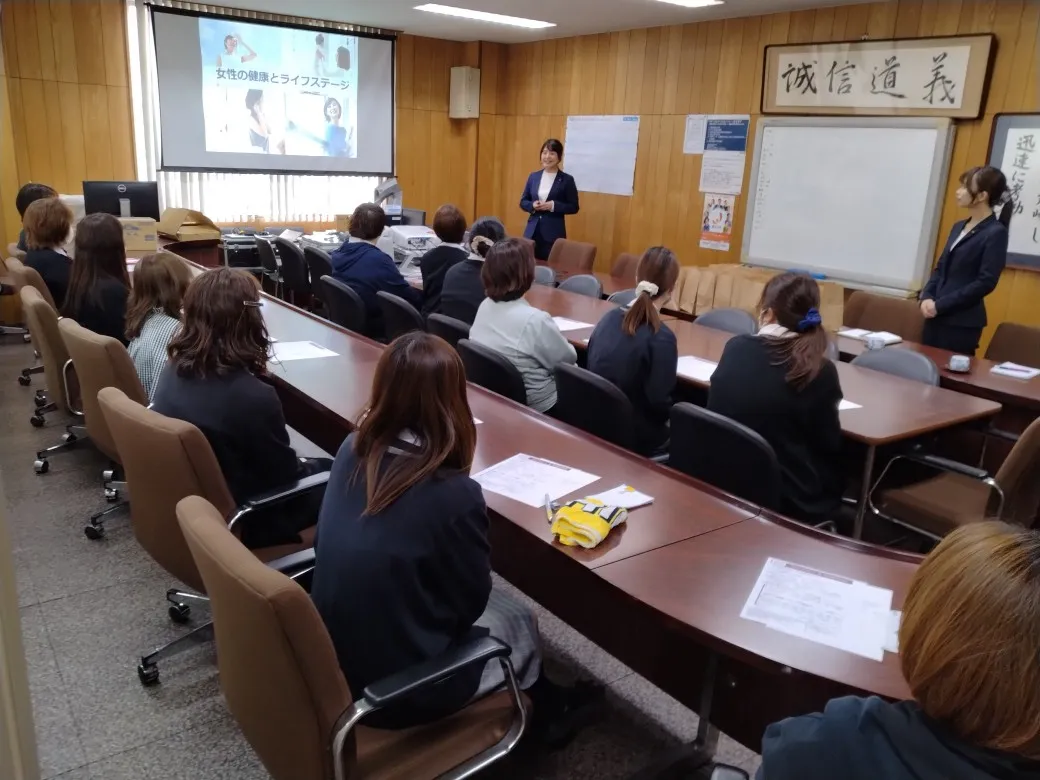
column 549, row 196
column 970, row 265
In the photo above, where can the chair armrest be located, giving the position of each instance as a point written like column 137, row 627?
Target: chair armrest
column 278, row 495
column 290, row 564
column 1000, row 434
column 396, row 686
column 945, row 464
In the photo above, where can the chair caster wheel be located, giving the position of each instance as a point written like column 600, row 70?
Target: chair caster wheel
column 25, row 380
column 36, row 421
column 108, row 475
column 69, row 438
column 94, row 532
column 111, row 495
column 148, row 675
column 39, row 399
column 26, row 338
column 41, row 466
column 180, row 613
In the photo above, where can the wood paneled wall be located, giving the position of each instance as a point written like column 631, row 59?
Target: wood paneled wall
column 66, row 97
column 716, row 67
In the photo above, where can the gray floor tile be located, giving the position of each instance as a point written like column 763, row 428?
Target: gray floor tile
column 27, row 595
column 57, row 742
column 217, row 751
column 83, row 773
column 97, row 640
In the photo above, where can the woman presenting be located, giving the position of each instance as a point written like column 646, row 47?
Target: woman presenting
column 970, row 265
column 550, row 194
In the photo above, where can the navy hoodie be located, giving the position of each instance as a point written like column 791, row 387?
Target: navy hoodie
column 369, row 270
column 870, row 739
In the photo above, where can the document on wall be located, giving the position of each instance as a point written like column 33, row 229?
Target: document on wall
column 565, row 324
column 822, row 607
column 725, row 152
column 696, row 369
column 693, row 141
column 528, row 479
column 601, row 153
column 298, row 350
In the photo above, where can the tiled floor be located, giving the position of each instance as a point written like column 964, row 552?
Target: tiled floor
column 89, row 609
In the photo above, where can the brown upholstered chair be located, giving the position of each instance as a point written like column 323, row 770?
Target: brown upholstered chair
column 166, row 460
column 15, row 252
column 283, row 684
column 1016, row 344
column 572, row 257
column 54, row 362
column 26, row 276
column 880, row 312
column 963, row 494
column 625, row 267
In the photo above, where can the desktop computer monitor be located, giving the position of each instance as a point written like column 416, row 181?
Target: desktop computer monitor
column 122, row 198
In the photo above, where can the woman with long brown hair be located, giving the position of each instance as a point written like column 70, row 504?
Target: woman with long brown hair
column 632, row 348
column 153, row 314
column 969, row 646
column 403, row 561
column 781, row 384
column 99, row 284
column 213, row 382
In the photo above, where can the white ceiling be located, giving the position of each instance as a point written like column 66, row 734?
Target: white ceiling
column 572, row 17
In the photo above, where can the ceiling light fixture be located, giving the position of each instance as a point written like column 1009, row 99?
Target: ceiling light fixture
column 693, row 3
column 483, row 16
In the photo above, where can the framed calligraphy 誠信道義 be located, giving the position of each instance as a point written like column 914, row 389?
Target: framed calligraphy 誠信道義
column 900, row 77
column 1015, row 149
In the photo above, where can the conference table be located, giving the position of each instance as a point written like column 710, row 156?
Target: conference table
column 663, row 592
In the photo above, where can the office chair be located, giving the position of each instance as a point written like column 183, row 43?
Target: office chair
column 625, row 266
column 735, row 321
column 491, row 370
column 622, row 297
column 294, row 272
column 23, row 276
column 1016, row 344
column 900, row 362
column 319, row 264
column 15, row 252
column 448, row 328
column 100, row 362
column 283, row 684
column 399, row 316
column 963, row 494
column 62, row 389
column 13, row 330
column 346, row 308
column 544, row 275
column 583, row 284
column 568, row 257
column 167, row 460
column 269, row 265
column 881, row 312
column 726, row 454
column 594, row 404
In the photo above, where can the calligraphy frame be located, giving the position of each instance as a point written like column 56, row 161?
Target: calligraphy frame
column 1003, row 124
column 975, row 85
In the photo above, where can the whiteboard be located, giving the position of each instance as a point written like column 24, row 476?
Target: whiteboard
column 601, row 153
column 855, row 199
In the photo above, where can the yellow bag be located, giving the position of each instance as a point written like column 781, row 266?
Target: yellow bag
column 705, row 292
column 687, row 297
column 832, row 305
column 723, row 295
column 585, row 522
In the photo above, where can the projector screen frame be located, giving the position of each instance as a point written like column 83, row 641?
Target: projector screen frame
column 274, row 21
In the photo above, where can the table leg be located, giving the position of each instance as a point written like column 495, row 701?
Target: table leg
column 868, row 477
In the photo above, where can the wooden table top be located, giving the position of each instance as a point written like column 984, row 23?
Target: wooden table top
column 893, row 409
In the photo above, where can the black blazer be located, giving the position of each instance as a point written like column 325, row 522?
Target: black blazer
column 967, row 273
column 435, row 265
column 54, row 268
column 563, row 194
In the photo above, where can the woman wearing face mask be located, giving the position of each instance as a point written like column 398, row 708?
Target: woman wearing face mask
column 970, row 267
column 549, row 196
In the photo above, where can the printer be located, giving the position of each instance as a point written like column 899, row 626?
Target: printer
column 407, row 243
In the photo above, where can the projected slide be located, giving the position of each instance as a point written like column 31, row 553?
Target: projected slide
column 277, row 90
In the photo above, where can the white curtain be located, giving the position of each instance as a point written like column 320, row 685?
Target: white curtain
column 225, row 197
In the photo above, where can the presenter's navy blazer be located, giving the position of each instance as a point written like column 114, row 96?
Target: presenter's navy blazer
column 551, row 225
column 967, row 273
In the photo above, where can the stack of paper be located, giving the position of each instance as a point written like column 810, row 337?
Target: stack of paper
column 866, row 335
column 826, row 608
column 528, row 479
column 298, row 350
column 565, row 324
column 696, row 369
column 624, row 496
column 1016, row 371
column 846, row 405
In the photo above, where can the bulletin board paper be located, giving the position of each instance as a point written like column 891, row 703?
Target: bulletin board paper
column 601, row 153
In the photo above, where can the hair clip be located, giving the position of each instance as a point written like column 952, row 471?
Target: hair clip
column 252, row 304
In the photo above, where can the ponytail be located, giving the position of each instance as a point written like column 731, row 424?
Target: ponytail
column 642, row 311
column 804, row 350
column 1005, row 212
column 481, row 245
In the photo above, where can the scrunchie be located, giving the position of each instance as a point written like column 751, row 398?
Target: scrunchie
column 811, row 319
column 649, row 288
column 478, row 241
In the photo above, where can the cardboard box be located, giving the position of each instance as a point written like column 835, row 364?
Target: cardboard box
column 343, row 223
column 139, row 234
column 187, row 225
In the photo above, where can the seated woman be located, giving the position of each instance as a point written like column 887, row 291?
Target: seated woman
column 367, row 269
column 508, row 324
column 450, row 226
column 153, row 315
column 403, row 562
column 781, row 384
column 99, row 284
column 463, row 290
column 637, row 352
column 47, row 224
column 212, row 382
column 968, row 646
